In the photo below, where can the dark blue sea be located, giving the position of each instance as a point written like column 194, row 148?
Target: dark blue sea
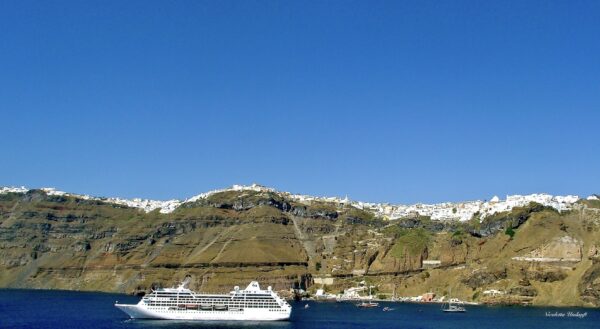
column 66, row 309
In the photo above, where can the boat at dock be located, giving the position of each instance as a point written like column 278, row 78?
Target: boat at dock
column 453, row 306
column 367, row 304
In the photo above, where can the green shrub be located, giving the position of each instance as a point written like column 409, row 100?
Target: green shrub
column 411, row 241
column 510, row 232
column 457, row 237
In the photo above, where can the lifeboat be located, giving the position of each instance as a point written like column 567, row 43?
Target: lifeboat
column 220, row 307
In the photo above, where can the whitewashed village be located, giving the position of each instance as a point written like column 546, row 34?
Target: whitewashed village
column 461, row 211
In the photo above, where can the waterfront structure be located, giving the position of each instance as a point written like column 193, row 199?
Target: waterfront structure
column 493, row 292
column 428, row 297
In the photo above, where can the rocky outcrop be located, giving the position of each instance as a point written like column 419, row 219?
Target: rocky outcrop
column 241, row 201
column 546, row 275
column 309, row 212
column 499, row 222
column 524, row 291
column 484, row 278
column 589, row 287
column 563, row 249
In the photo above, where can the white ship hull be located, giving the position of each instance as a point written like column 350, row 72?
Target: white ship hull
column 250, row 304
column 141, row 312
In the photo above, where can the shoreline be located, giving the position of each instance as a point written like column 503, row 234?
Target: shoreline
column 321, row 301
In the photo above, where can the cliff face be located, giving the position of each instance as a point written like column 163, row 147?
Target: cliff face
column 532, row 254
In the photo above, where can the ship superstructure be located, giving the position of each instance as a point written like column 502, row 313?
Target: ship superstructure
column 181, row 303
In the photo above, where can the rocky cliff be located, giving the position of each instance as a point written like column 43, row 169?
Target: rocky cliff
column 531, row 254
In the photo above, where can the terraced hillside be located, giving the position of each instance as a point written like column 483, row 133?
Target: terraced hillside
column 532, row 254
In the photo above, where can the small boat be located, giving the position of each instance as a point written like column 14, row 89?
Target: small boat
column 367, row 304
column 306, row 306
column 452, row 308
column 370, row 303
column 387, row 309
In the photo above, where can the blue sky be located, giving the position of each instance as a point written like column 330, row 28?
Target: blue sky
column 400, row 101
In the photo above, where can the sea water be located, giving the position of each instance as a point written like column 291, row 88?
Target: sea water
column 68, row 309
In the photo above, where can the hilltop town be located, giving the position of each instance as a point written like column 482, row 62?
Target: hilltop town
column 461, row 211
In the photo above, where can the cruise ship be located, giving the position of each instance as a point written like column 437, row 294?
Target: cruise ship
column 252, row 304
